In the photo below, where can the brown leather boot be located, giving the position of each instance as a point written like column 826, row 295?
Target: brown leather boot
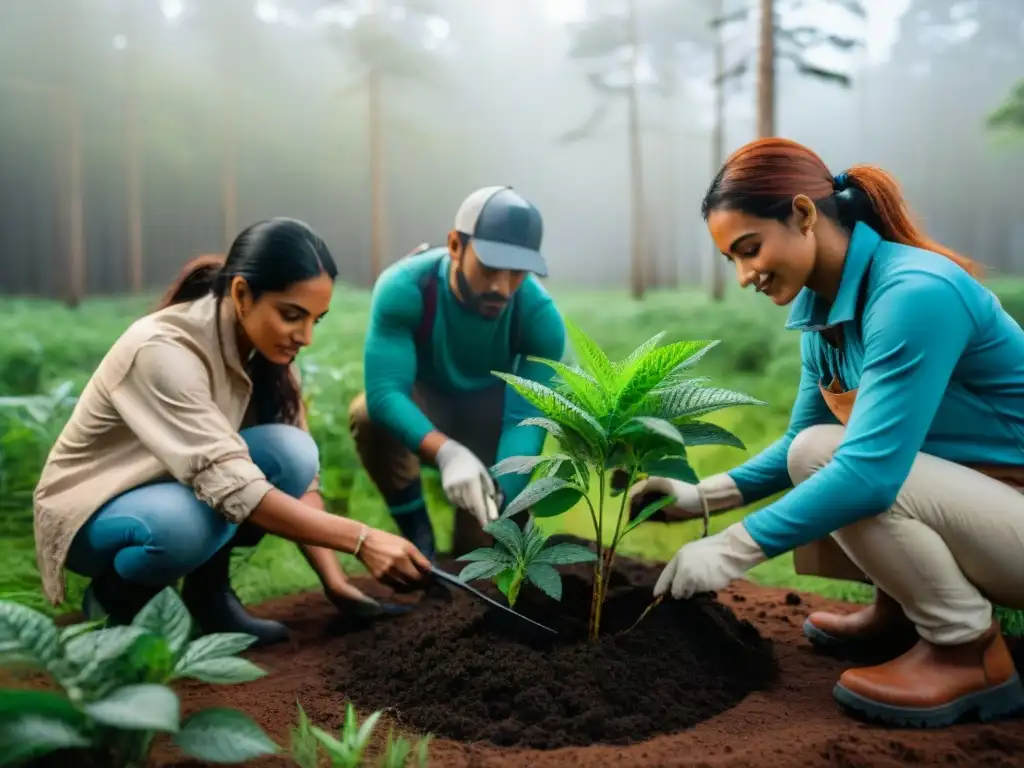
column 882, row 621
column 933, row 686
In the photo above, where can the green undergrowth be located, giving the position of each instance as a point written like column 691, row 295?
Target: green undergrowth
column 45, row 345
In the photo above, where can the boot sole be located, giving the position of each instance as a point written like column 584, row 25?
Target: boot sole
column 823, row 640
column 1002, row 701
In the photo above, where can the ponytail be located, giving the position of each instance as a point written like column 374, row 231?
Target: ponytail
column 200, row 277
column 888, row 212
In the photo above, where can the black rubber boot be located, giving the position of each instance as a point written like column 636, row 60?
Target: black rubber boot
column 110, row 595
column 215, row 607
column 417, row 528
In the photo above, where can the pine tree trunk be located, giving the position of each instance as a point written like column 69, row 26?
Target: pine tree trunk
column 638, row 255
column 766, row 71
column 717, row 262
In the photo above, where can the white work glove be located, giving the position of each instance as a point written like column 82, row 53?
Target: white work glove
column 710, row 564
column 466, row 482
column 687, row 504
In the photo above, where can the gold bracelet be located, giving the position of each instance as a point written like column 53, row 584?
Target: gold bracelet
column 363, row 533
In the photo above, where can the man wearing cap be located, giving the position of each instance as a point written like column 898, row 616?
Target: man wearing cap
column 441, row 320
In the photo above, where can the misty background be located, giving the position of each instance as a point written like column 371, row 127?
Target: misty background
column 137, row 134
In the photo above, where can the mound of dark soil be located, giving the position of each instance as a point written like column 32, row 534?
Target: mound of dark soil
column 449, row 668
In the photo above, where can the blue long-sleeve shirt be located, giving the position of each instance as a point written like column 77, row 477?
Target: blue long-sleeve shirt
column 464, row 348
column 938, row 366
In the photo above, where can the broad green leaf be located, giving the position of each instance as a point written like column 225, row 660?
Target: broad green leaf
column 547, row 579
column 31, row 735
column 74, row 630
column 101, row 646
column 507, row 533
column 568, row 440
column 226, row 670
column 138, row 708
column 652, row 426
column 590, row 395
column 521, row 465
column 535, row 492
column 483, row 570
column 150, row 660
column 46, row 704
column 214, row 646
column 647, row 511
column 166, row 615
column 565, row 554
column 590, row 356
column 696, row 433
column 553, row 405
column 27, row 636
column 651, row 370
column 487, row 555
column 223, row 736
column 557, row 503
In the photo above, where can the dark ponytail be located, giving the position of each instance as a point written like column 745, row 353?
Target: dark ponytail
column 270, row 255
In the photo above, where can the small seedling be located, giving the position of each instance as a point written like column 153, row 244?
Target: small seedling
column 638, row 417
column 522, row 555
column 115, row 682
column 349, row 749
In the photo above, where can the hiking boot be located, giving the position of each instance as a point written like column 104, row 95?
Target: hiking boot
column 933, row 686
column 110, row 595
column 215, row 607
column 881, row 622
column 417, row 528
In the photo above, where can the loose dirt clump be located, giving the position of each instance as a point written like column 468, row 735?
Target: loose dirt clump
column 450, row 670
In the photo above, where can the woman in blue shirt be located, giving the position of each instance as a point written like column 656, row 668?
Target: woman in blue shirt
column 906, row 441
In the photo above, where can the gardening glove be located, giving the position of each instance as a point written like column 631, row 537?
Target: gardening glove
column 719, row 492
column 706, row 565
column 466, row 482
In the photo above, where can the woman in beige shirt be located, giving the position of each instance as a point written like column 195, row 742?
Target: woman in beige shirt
column 190, row 439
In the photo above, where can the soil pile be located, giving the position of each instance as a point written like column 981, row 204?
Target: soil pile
column 449, row 669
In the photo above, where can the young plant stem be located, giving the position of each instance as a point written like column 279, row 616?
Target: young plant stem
column 595, row 600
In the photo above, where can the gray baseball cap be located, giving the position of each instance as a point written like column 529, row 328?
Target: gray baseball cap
column 504, row 228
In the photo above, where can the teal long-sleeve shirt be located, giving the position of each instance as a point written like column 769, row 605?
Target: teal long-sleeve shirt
column 938, row 366
column 464, row 348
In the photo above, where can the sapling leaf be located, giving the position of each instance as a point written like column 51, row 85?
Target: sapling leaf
column 223, row 736
column 484, row 570
column 96, row 657
column 546, row 578
column 507, row 533
column 651, row 370
column 27, row 636
column 679, row 373
column 687, row 402
column 215, row 646
column 696, row 433
column 555, row 406
column 654, row 426
column 396, row 751
column 521, row 465
column 366, row 730
column 535, row 540
column 145, row 707
column 625, row 368
column 304, row 749
column 557, row 503
column 647, row 511
column 167, row 616
column 423, row 751
column 590, row 356
column 535, row 492
column 674, row 467
column 227, row 670
column 487, row 555
column 584, row 388
column 565, row 554
column 514, row 587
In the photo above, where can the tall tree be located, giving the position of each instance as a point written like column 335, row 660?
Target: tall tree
column 783, row 36
column 1010, row 114
column 385, row 40
column 626, row 52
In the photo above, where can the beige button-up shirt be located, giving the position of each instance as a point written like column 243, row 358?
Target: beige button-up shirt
column 167, row 402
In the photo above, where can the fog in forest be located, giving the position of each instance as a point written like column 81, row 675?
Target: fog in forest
column 136, row 134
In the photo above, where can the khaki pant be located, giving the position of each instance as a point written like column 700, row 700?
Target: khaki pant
column 473, row 419
column 951, row 545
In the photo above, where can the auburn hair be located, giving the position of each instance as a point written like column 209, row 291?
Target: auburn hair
column 762, row 178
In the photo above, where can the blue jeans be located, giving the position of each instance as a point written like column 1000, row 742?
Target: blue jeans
column 157, row 533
